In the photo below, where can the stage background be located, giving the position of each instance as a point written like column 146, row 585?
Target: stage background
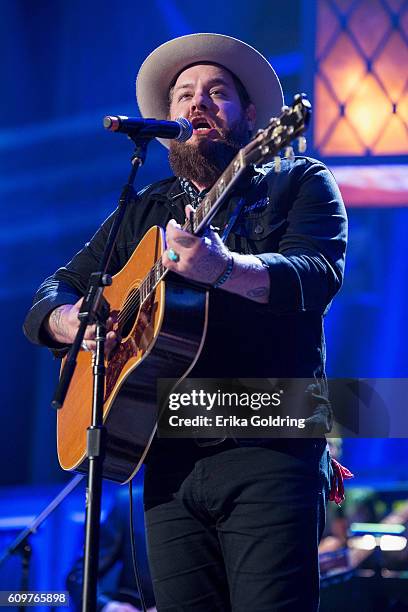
column 64, row 66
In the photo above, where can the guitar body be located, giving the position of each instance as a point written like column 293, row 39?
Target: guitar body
column 161, row 338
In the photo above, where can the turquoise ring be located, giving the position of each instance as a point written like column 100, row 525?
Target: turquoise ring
column 172, row 255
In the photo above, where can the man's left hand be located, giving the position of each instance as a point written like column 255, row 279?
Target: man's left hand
column 202, row 259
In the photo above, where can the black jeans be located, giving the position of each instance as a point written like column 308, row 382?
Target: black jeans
column 237, row 531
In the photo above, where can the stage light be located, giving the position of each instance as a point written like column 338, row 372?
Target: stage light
column 365, row 542
column 392, row 542
column 377, row 528
column 360, row 95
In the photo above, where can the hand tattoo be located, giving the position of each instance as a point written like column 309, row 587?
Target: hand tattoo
column 186, row 241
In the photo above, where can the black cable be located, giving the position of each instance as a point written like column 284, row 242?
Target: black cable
column 133, row 547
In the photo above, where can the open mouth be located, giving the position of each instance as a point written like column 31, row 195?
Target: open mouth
column 201, row 125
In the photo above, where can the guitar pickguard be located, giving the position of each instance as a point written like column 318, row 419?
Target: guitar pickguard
column 132, row 347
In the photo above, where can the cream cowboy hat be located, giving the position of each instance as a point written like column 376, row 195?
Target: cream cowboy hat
column 160, row 68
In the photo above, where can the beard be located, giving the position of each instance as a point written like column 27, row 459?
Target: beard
column 204, row 161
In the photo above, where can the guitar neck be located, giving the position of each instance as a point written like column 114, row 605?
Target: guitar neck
column 202, row 216
column 211, row 203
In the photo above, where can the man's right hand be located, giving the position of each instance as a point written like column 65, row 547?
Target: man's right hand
column 62, row 325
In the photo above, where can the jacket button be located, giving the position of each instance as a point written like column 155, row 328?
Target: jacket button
column 258, row 229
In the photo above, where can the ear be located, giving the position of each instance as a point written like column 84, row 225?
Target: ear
column 250, row 114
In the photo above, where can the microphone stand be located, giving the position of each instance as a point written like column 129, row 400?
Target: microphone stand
column 22, row 542
column 96, row 310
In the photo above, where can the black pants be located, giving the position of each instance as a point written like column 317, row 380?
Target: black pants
column 237, row 531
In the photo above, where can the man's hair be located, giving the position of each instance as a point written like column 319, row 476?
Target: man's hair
column 242, row 92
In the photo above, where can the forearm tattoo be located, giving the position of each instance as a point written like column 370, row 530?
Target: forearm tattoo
column 246, row 274
column 56, row 323
column 259, row 292
column 245, row 268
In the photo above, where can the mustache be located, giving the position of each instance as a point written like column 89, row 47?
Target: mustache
column 203, row 162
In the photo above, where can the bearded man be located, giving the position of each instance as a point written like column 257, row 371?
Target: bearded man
column 233, row 525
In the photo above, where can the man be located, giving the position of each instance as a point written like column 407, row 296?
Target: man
column 233, row 525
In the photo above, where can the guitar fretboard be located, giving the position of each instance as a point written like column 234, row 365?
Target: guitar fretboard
column 214, row 198
column 202, row 216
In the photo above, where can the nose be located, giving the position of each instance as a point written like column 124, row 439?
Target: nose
column 200, row 101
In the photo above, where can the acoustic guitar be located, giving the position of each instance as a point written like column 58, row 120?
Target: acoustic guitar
column 162, row 324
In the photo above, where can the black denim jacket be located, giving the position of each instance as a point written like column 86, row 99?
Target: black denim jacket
column 294, row 221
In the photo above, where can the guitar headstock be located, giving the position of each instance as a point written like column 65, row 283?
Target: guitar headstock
column 280, row 134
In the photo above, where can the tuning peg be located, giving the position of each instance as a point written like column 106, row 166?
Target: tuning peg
column 285, row 109
column 289, row 153
column 301, row 144
column 277, row 161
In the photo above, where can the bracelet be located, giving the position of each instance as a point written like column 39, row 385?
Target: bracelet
column 225, row 275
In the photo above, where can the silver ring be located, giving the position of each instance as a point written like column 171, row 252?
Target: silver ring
column 84, row 345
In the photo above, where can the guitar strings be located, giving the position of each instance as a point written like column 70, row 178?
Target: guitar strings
column 155, row 274
column 136, row 297
column 147, row 286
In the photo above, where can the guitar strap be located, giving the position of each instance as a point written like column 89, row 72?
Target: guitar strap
column 237, row 210
column 233, row 218
column 197, row 198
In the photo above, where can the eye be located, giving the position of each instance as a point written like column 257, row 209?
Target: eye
column 217, row 92
column 184, row 96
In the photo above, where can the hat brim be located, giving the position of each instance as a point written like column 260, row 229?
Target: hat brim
column 160, row 68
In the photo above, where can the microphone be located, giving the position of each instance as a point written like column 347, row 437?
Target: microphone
column 180, row 130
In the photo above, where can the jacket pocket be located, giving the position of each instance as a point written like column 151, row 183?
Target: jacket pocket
column 260, row 226
column 259, row 233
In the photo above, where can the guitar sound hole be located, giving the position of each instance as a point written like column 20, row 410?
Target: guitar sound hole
column 130, row 312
